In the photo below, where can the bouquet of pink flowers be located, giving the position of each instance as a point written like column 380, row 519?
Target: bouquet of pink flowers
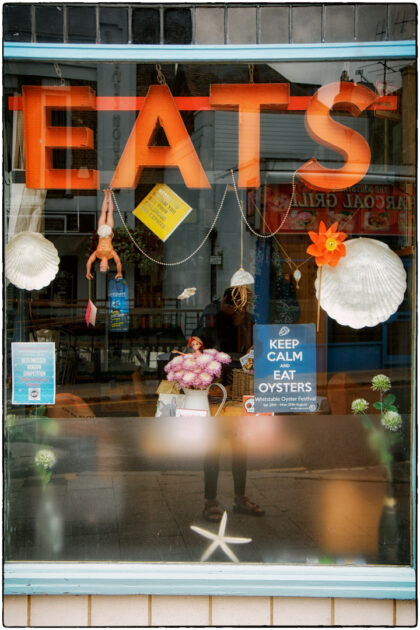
column 196, row 372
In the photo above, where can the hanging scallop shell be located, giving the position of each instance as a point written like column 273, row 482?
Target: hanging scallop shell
column 367, row 285
column 31, row 261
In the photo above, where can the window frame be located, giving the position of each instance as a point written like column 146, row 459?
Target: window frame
column 129, row 578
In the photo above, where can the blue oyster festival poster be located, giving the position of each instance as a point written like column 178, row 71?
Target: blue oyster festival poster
column 285, row 368
column 33, row 373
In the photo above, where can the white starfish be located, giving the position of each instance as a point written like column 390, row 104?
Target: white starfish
column 220, row 540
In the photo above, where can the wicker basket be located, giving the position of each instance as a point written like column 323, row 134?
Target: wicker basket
column 242, row 384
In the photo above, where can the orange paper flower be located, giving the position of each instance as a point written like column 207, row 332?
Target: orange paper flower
column 327, row 245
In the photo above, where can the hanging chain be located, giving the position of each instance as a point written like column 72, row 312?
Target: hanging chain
column 179, row 262
column 246, row 220
column 59, row 74
column 184, row 260
column 251, row 72
column 160, row 76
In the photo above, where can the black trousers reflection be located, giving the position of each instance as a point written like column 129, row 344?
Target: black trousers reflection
column 212, row 467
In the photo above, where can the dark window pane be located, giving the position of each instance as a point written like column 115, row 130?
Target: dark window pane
column 339, row 23
column 242, row 25
column 17, row 23
column 82, row 24
column 274, row 25
column 145, row 26
column 209, row 26
column 113, row 25
column 49, row 23
column 177, row 26
column 371, row 22
column 402, row 21
column 306, row 24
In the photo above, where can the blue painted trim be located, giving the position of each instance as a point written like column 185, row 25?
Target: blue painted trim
column 243, row 53
column 120, row 578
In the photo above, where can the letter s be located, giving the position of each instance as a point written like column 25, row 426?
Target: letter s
column 332, row 134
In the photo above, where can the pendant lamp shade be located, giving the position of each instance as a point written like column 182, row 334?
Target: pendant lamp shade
column 241, row 278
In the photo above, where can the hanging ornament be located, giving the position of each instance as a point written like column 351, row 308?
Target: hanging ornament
column 297, row 276
column 241, row 279
column 366, row 286
column 187, row 293
column 327, row 248
column 327, row 245
column 31, row 261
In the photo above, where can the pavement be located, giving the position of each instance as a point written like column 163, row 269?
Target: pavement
column 311, row 516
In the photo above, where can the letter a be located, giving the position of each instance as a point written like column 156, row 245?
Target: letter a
column 159, row 107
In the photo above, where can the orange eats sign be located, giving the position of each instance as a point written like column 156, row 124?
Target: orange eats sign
column 160, row 107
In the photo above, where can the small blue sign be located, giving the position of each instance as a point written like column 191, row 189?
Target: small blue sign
column 33, row 373
column 285, row 368
column 118, row 305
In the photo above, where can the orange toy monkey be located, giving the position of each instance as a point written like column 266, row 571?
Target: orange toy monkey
column 104, row 250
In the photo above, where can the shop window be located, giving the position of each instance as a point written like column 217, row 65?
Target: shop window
column 210, row 25
column 17, row 23
column 114, row 461
column 113, row 25
column 145, row 24
column 339, row 23
column 49, row 23
column 242, row 25
column 177, row 26
column 372, row 22
column 81, row 24
column 306, row 24
column 274, row 25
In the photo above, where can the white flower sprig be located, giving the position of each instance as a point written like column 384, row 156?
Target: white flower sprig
column 359, row 405
column 379, row 440
column 44, row 460
column 391, row 420
column 381, row 383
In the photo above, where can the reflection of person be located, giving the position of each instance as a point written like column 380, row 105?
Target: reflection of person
column 233, row 326
column 195, row 344
column 104, row 250
column 234, row 333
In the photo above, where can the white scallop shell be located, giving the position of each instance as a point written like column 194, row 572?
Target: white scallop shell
column 367, row 285
column 31, row 261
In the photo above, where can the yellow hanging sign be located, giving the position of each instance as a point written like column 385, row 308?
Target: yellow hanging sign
column 162, row 211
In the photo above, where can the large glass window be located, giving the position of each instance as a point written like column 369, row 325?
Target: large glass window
column 304, row 438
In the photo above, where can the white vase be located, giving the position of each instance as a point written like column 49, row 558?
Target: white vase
column 198, row 399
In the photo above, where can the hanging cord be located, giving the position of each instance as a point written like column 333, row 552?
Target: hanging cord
column 59, row 74
column 282, row 221
column 178, row 262
column 160, row 76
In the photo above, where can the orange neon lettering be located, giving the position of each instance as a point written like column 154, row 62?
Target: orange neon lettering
column 250, row 98
column 332, row 134
column 41, row 137
column 159, row 107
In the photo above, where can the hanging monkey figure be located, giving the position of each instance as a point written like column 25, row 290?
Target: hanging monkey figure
column 104, row 250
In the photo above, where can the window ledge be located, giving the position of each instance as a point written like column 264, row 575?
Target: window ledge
column 200, row 53
column 125, row 578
